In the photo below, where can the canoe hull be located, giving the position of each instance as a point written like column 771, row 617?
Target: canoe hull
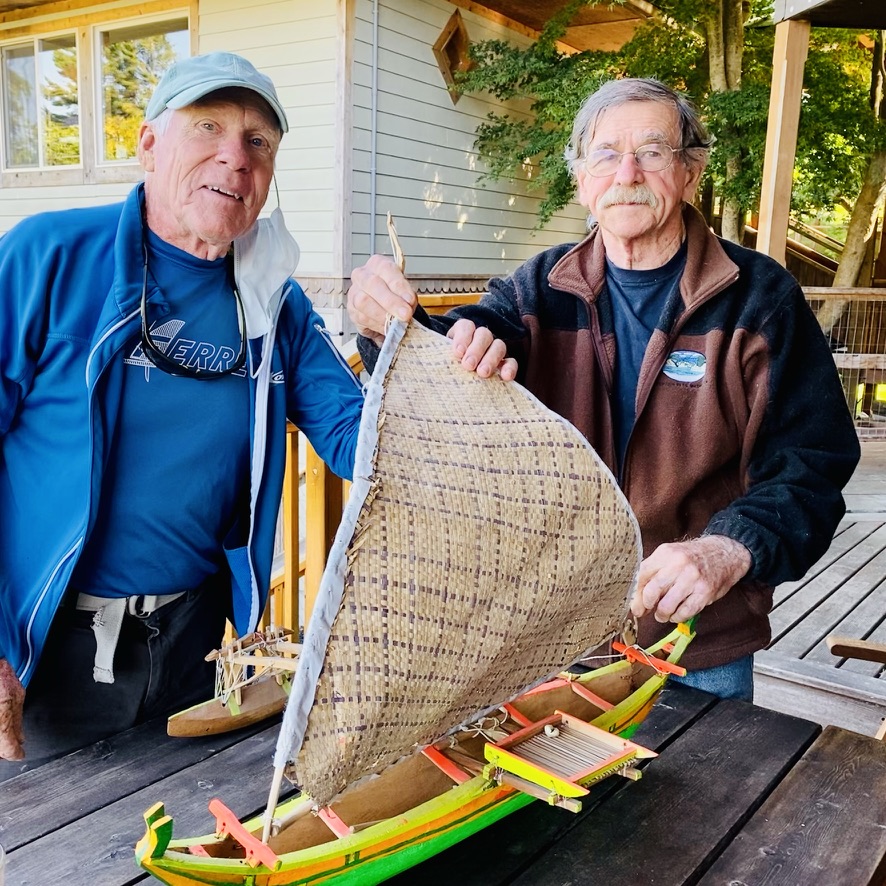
column 399, row 842
column 365, row 866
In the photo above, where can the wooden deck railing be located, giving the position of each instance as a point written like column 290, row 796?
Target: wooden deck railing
column 324, row 498
column 854, row 320
column 856, row 325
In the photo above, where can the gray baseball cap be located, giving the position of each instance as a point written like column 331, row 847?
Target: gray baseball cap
column 192, row 78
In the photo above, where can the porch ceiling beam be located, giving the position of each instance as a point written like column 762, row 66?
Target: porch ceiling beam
column 860, row 14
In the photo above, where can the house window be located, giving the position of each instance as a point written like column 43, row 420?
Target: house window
column 51, row 86
column 41, row 110
column 133, row 58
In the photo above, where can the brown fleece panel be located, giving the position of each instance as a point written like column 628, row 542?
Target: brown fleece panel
column 688, row 458
column 689, row 452
column 705, row 261
column 582, row 270
column 692, row 440
column 559, row 374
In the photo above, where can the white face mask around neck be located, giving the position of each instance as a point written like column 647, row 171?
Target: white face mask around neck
column 265, row 257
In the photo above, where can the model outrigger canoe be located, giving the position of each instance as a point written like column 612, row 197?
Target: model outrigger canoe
column 484, row 547
column 432, row 800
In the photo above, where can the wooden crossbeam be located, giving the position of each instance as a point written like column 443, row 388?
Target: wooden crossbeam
column 847, row 647
column 227, row 824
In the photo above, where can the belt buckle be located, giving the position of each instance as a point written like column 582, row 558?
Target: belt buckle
column 141, row 605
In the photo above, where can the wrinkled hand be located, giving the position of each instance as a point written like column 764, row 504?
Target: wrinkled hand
column 479, row 351
column 379, row 290
column 677, row 581
column 12, row 699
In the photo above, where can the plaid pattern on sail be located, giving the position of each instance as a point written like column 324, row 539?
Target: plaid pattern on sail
column 490, row 549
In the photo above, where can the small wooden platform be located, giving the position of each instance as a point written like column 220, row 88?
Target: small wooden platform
column 844, row 593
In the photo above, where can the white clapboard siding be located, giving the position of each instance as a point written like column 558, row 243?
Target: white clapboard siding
column 297, row 44
column 20, row 202
column 457, row 205
column 460, row 216
column 426, row 167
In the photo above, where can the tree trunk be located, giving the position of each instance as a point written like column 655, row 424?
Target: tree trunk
column 725, row 37
column 705, row 201
column 878, row 74
column 861, row 227
column 732, row 220
column 864, row 214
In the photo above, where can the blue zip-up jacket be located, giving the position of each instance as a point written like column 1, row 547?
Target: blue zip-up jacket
column 70, row 290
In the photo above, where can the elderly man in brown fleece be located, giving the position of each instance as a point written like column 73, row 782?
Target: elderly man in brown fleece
column 692, row 365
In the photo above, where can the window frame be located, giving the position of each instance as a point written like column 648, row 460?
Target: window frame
column 34, row 44
column 92, row 169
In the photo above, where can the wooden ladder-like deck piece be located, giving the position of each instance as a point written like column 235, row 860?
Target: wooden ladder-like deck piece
column 555, row 759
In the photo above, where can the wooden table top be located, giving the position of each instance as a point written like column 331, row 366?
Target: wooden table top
column 739, row 794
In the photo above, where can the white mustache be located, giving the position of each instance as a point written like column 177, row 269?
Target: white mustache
column 638, row 194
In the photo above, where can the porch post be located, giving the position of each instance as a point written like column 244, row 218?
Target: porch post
column 789, row 59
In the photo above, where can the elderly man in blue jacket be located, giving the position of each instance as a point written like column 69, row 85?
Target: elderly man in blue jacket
column 150, row 355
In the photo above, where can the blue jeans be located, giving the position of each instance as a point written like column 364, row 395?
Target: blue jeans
column 733, row 680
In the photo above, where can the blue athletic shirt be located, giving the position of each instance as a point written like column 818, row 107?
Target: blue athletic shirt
column 638, row 298
column 170, row 428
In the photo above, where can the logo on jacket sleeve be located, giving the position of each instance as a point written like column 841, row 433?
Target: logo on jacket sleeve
column 685, row 366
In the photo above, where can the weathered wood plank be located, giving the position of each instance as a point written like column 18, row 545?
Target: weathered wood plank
column 98, row 849
column 703, row 788
column 866, row 490
column 860, row 361
column 862, row 622
column 847, row 537
column 822, row 693
column 497, row 854
column 825, row 823
column 820, row 621
column 852, row 647
column 59, row 792
column 847, row 293
column 877, row 636
column 790, row 613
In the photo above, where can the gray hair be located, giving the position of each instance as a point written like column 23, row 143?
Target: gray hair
column 694, row 138
column 161, row 122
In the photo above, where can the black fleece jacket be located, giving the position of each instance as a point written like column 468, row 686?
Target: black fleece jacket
column 741, row 422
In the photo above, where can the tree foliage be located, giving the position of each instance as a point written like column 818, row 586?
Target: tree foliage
column 837, row 130
column 548, row 87
column 62, row 116
column 130, row 71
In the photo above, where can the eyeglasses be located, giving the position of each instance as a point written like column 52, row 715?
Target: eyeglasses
column 152, row 349
column 173, row 367
column 653, row 157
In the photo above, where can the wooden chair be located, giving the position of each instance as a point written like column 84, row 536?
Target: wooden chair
column 864, row 650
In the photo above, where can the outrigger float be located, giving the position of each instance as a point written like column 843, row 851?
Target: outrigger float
column 253, row 676
column 551, row 744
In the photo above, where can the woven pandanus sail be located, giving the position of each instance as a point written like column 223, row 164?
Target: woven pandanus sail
column 484, row 547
